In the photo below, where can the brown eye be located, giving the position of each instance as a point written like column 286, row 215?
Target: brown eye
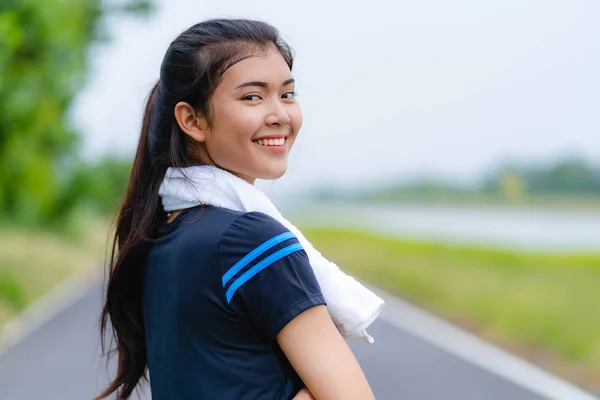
column 251, row 97
column 290, row 95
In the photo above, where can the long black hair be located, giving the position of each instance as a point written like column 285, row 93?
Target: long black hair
column 190, row 71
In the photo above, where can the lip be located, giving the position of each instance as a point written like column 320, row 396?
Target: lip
column 271, row 137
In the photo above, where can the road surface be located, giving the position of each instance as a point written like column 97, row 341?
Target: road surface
column 61, row 361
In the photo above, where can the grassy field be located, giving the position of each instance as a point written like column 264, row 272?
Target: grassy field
column 542, row 306
column 33, row 261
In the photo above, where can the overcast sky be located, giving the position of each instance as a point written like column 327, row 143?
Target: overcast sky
column 389, row 89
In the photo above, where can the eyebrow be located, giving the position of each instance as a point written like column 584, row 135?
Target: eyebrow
column 264, row 84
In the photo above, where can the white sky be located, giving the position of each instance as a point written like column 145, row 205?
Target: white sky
column 389, row 89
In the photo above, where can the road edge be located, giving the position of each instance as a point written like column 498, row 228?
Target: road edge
column 51, row 304
column 475, row 350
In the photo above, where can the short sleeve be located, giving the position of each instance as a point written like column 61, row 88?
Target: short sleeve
column 266, row 273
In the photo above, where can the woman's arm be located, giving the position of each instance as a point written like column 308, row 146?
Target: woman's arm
column 322, row 358
column 303, row 394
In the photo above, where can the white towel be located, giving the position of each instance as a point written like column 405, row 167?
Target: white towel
column 351, row 306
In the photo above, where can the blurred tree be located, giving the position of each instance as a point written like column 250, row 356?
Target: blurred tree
column 511, row 186
column 43, row 64
column 570, row 176
column 100, row 185
column 514, row 181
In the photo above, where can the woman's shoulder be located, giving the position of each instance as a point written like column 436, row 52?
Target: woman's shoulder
column 253, row 227
column 217, row 225
column 233, row 220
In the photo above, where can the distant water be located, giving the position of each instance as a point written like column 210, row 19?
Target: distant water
column 516, row 228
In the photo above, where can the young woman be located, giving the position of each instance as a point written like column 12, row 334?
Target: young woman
column 175, row 300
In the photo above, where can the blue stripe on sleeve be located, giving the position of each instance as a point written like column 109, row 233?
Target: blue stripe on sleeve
column 248, row 258
column 260, row 266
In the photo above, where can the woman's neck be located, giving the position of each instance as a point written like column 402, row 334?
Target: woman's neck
column 172, row 215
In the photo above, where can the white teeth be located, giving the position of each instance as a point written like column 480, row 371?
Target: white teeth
column 271, row 142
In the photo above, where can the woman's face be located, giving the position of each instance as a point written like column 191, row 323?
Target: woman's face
column 255, row 118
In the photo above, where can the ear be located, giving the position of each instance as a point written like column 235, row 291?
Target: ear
column 190, row 123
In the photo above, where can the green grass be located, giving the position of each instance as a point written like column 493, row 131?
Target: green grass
column 544, row 306
column 32, row 261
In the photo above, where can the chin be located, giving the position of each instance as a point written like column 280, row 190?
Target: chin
column 273, row 173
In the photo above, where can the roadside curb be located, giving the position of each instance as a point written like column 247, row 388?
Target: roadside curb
column 48, row 306
column 475, row 350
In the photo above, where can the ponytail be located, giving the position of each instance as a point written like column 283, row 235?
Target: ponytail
column 136, row 224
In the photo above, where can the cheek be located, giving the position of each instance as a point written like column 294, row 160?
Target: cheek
column 237, row 123
column 295, row 115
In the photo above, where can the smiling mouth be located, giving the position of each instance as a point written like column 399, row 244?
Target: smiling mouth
column 270, row 142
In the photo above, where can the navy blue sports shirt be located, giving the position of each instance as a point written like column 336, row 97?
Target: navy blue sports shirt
column 219, row 285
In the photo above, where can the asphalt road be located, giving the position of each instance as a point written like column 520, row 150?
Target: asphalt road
column 61, row 361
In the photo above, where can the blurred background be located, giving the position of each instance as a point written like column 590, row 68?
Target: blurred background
column 449, row 153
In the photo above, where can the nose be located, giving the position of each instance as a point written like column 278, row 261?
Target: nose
column 278, row 114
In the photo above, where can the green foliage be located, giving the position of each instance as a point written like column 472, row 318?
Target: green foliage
column 100, row 185
column 43, row 64
column 564, row 182
column 568, row 176
column 11, row 292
